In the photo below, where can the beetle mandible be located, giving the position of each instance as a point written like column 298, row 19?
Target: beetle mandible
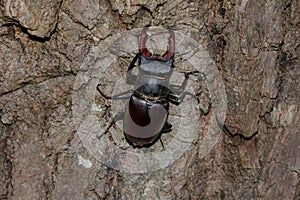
column 146, row 114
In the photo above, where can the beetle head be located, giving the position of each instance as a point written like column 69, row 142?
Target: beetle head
column 156, row 68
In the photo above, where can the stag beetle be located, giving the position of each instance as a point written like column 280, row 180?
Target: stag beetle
column 146, row 115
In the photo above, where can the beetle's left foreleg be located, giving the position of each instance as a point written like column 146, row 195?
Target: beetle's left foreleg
column 130, row 77
column 166, row 129
column 118, row 96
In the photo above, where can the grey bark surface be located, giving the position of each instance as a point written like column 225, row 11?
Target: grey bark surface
column 256, row 46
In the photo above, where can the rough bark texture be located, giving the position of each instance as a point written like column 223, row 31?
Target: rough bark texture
column 256, row 45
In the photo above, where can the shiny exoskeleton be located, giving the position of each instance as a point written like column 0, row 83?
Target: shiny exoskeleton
column 146, row 115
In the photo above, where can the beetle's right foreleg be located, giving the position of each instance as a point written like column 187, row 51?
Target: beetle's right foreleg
column 178, row 89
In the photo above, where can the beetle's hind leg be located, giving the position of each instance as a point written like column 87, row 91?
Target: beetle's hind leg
column 118, row 117
column 162, row 144
column 167, row 128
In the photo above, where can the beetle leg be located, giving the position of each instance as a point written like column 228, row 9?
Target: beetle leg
column 173, row 99
column 179, row 89
column 194, row 73
column 118, row 117
column 167, row 128
column 178, row 99
column 177, row 95
column 130, row 78
column 162, row 144
column 132, row 64
column 118, row 96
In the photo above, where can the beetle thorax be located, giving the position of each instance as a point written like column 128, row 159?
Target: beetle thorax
column 156, row 67
column 154, row 71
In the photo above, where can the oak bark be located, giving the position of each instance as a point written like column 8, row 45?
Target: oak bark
column 256, row 47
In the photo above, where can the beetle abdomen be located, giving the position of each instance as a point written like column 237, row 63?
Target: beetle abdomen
column 144, row 118
column 139, row 111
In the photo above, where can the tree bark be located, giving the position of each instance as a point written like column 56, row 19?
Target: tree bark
column 255, row 46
